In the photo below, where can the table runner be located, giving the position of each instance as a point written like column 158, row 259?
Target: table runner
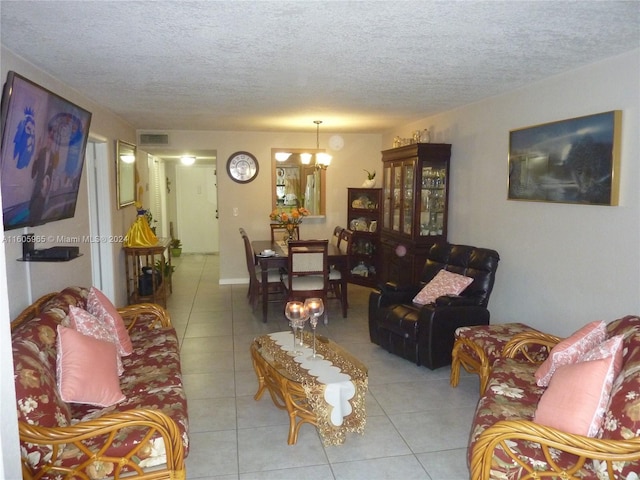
column 284, row 246
column 335, row 387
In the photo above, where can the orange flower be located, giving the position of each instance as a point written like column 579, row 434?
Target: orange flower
column 294, row 217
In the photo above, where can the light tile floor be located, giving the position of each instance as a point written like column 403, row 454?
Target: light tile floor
column 417, row 425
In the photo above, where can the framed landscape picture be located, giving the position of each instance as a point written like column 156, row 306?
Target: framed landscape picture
column 569, row 161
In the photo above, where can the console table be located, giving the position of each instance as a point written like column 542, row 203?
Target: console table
column 158, row 283
column 312, row 391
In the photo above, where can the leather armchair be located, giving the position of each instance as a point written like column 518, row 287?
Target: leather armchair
column 424, row 334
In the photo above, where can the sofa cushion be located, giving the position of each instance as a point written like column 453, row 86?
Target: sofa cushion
column 87, row 369
column 622, row 420
column 89, row 325
column 33, row 344
column 444, row 283
column 34, row 362
column 578, row 394
column 152, row 379
column 38, row 400
column 629, row 328
column 491, row 339
column 571, row 349
column 99, row 305
column 511, row 394
column 76, row 296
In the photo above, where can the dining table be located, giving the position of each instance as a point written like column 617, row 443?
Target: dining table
column 279, row 259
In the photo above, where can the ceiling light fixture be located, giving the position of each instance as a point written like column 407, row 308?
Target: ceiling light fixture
column 282, row 156
column 323, row 160
column 187, row 160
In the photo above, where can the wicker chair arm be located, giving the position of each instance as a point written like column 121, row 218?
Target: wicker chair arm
column 110, row 426
column 499, row 434
column 519, row 343
column 150, row 313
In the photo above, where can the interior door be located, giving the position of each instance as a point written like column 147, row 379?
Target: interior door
column 197, row 204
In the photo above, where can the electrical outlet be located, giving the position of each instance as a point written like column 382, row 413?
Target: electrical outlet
column 235, row 211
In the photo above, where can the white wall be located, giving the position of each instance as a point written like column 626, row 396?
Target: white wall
column 561, row 265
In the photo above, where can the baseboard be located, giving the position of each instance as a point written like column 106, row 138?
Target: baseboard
column 234, row 281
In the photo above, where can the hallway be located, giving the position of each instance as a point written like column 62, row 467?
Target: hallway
column 417, row 425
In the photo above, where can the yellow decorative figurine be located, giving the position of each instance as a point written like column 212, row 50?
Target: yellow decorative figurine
column 140, row 233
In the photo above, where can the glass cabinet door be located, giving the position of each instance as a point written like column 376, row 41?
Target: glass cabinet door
column 407, row 197
column 433, row 195
column 387, row 194
column 396, row 199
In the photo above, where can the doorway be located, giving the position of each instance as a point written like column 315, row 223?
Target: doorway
column 102, row 253
column 197, row 208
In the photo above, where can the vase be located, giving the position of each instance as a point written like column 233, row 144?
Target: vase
column 369, row 183
column 289, row 236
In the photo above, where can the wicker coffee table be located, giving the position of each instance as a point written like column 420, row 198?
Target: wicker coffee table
column 303, row 394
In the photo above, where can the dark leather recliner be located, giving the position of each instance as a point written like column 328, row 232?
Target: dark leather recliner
column 424, row 334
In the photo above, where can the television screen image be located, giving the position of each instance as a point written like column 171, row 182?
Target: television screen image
column 44, row 138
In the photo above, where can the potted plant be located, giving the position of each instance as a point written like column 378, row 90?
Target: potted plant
column 370, row 182
column 163, row 266
column 176, row 247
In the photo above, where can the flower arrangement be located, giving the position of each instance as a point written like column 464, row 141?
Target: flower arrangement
column 289, row 219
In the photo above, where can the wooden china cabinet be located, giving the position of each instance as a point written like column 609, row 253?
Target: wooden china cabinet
column 415, row 192
column 363, row 218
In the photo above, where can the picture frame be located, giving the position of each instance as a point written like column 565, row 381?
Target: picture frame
column 125, row 173
column 568, row 161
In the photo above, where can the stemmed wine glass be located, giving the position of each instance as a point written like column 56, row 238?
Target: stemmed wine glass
column 297, row 315
column 315, row 309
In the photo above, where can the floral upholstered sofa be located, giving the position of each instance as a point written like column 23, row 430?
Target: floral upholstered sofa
column 86, row 409
column 525, row 431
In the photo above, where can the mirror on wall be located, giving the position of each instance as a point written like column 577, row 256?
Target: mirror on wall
column 125, row 173
column 294, row 184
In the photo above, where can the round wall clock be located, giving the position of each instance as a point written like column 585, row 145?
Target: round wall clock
column 242, row 167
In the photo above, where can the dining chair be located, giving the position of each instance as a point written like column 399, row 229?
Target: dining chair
column 337, row 278
column 335, row 238
column 308, row 270
column 346, row 238
column 278, row 232
column 274, row 283
column 244, row 235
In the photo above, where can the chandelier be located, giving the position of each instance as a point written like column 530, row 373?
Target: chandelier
column 322, row 160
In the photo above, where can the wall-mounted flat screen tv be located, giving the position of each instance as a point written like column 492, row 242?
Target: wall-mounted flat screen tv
column 44, row 138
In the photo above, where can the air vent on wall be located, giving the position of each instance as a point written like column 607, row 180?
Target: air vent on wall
column 154, row 139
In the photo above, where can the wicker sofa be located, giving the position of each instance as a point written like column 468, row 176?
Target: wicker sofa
column 506, row 443
column 143, row 436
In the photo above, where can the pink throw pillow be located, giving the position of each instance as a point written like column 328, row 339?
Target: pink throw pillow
column 87, row 324
column 578, row 394
column 87, row 369
column 444, row 283
column 100, row 306
column 571, row 349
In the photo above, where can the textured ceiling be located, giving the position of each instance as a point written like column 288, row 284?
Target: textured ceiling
column 262, row 66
